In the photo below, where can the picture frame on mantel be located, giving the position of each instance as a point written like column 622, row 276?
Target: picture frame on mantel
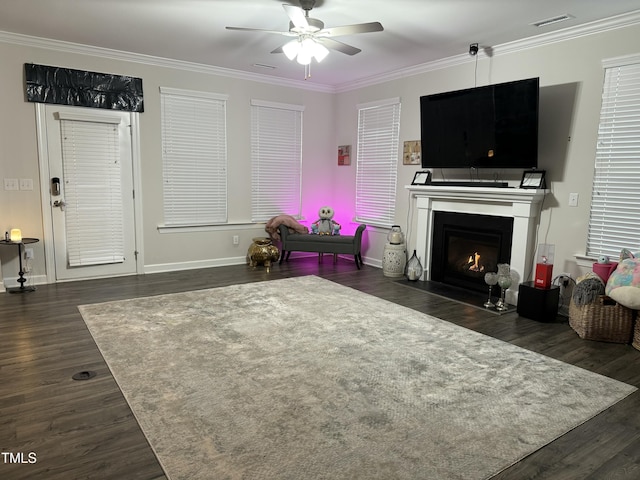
column 534, row 179
column 422, row 178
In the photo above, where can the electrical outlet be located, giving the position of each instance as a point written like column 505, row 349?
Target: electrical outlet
column 236, row 240
column 564, row 279
column 573, row 199
column 28, row 253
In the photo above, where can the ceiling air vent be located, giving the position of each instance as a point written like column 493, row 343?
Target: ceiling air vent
column 265, row 66
column 549, row 21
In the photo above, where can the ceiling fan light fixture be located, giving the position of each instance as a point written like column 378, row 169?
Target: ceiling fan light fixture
column 320, row 52
column 304, row 57
column 310, row 37
column 308, row 49
column 305, row 50
column 292, row 49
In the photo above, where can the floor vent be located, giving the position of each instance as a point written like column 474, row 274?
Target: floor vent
column 84, row 375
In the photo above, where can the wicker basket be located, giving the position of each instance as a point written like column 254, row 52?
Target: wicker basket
column 603, row 320
column 636, row 335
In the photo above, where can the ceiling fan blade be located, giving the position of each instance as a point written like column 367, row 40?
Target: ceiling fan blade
column 352, row 29
column 248, row 29
column 296, row 15
column 339, row 46
column 278, row 50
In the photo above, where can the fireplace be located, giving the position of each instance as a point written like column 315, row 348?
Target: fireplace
column 521, row 206
column 466, row 246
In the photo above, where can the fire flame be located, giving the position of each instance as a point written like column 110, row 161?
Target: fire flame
column 474, row 261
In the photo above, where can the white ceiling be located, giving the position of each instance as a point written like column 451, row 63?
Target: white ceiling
column 415, row 31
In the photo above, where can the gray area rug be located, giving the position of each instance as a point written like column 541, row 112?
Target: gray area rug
column 303, row 378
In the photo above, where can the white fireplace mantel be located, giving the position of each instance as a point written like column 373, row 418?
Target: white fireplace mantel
column 523, row 205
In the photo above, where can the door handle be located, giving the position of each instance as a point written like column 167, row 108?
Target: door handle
column 60, row 203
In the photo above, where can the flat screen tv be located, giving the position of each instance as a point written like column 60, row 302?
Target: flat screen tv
column 494, row 126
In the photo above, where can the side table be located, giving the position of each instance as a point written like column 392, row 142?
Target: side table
column 21, row 279
column 539, row 304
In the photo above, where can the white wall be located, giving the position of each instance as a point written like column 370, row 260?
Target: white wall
column 571, row 76
column 571, row 79
column 161, row 251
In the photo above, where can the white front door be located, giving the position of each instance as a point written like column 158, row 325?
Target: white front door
column 91, row 192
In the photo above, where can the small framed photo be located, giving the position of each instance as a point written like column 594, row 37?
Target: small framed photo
column 533, row 179
column 344, row 155
column 422, row 178
column 411, row 154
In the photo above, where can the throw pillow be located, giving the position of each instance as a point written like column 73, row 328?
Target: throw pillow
column 623, row 285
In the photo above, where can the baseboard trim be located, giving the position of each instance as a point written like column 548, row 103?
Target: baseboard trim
column 178, row 266
column 13, row 281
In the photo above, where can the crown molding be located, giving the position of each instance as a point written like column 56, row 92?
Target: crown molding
column 612, row 23
column 76, row 48
column 570, row 33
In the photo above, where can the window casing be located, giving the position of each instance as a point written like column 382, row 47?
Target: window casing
column 194, row 157
column 377, row 162
column 614, row 221
column 276, row 160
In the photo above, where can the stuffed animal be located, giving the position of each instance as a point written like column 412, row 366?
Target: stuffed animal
column 624, row 283
column 325, row 225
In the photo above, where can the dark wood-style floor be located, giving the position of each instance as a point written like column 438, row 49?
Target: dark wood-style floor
column 85, row 429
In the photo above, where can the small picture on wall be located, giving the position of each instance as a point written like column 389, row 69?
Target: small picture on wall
column 344, row 155
column 411, row 155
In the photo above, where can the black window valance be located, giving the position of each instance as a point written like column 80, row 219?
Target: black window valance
column 65, row 86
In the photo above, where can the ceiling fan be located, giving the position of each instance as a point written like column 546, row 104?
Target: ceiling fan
column 311, row 38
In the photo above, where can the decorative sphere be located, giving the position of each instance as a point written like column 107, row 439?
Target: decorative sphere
column 504, row 281
column 491, row 278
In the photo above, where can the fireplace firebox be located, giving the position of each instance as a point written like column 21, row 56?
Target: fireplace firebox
column 466, row 246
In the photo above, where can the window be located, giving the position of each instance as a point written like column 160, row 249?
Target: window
column 377, row 162
column 614, row 223
column 194, row 157
column 276, row 160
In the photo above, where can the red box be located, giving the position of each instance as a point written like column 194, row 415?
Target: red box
column 544, row 273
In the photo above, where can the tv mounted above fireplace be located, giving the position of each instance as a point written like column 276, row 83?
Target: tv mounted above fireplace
column 493, row 126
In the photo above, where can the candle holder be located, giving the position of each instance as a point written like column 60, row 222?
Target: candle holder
column 16, row 235
column 504, row 281
column 490, row 279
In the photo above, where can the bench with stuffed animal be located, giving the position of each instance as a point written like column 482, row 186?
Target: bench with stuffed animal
column 336, row 244
column 325, row 237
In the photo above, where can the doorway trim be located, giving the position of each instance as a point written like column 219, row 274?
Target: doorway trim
column 45, row 197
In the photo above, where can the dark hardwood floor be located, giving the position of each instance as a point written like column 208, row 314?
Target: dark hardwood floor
column 85, row 429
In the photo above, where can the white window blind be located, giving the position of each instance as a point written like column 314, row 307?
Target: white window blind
column 93, row 195
column 377, row 162
column 276, row 160
column 614, row 223
column 194, row 157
